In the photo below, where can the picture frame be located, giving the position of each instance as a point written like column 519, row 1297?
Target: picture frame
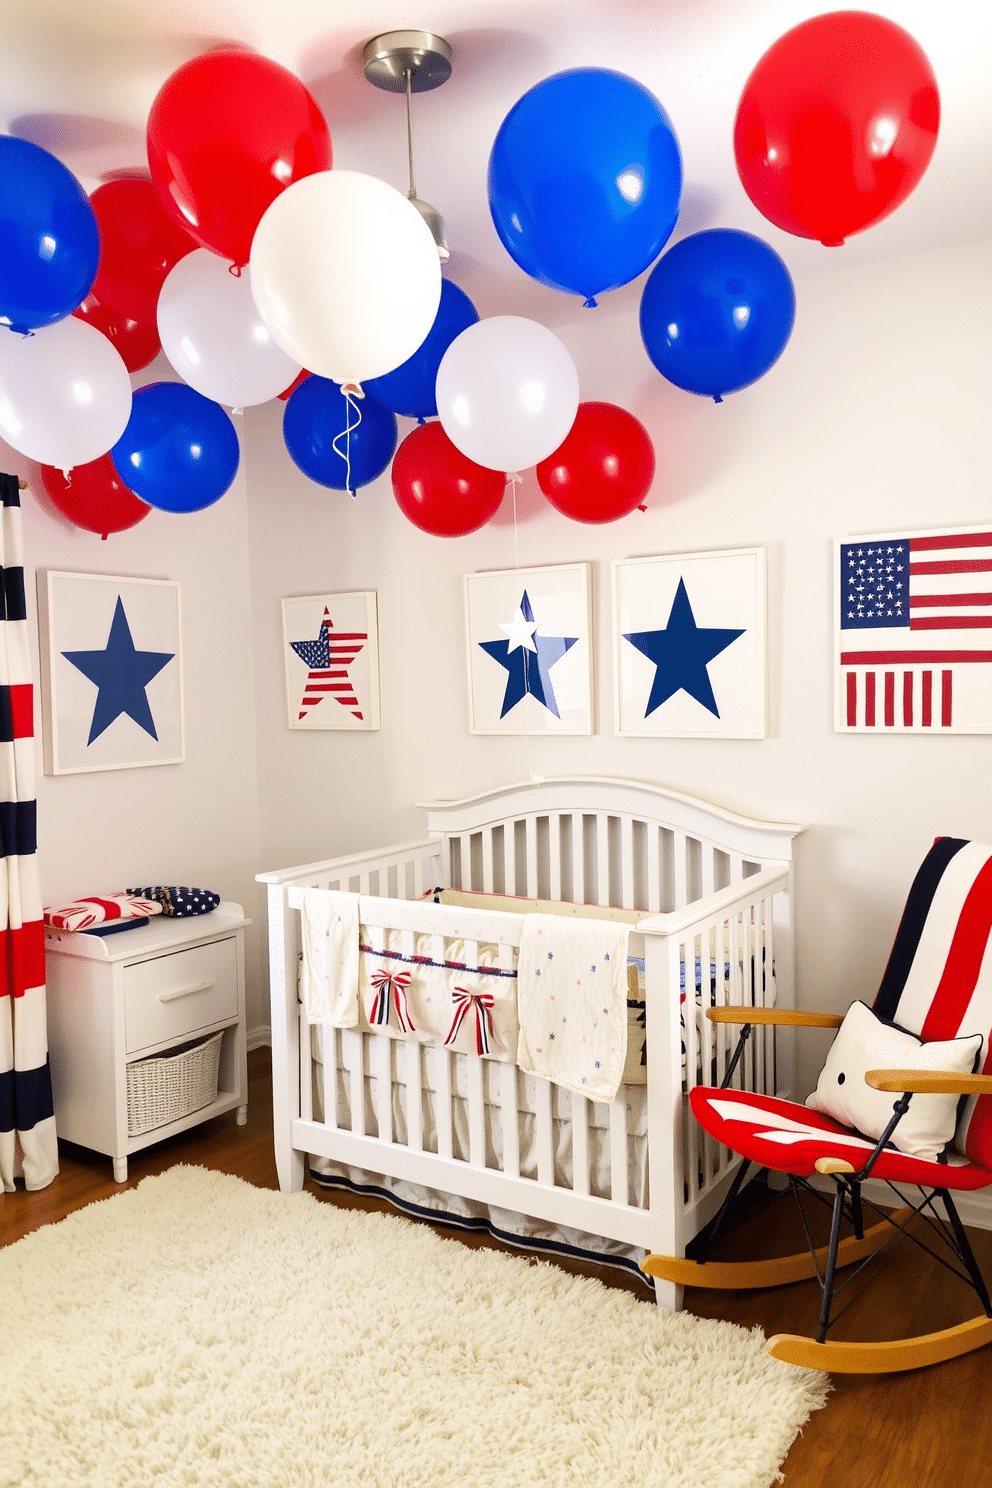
column 331, row 661
column 913, row 632
column 689, row 645
column 111, row 672
column 528, row 641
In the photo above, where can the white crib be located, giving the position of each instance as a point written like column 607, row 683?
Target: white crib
column 715, row 891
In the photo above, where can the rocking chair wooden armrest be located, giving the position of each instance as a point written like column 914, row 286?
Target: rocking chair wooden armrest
column 928, row 1082
column 785, row 1017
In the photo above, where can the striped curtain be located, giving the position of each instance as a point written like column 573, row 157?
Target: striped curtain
column 27, row 1120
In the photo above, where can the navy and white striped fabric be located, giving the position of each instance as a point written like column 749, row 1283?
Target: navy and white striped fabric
column 27, row 1121
column 938, row 982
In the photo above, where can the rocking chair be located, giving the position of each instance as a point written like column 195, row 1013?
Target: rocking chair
column 931, row 1019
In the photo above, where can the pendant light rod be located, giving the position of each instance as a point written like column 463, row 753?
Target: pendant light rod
column 409, row 130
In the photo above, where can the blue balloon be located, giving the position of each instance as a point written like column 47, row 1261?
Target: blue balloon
column 51, row 243
column 585, row 180
column 179, row 451
column 336, row 443
column 716, row 311
column 410, row 388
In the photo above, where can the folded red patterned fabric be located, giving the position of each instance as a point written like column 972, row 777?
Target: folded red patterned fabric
column 99, row 910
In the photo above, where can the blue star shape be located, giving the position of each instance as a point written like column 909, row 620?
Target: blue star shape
column 529, row 671
column 120, row 674
column 680, row 653
column 316, row 653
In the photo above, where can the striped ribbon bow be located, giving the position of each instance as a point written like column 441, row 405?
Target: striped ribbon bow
column 386, row 985
column 483, row 1004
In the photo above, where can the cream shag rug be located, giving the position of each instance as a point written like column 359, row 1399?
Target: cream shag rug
column 197, row 1330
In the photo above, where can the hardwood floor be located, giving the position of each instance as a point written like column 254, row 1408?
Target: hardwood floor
column 926, row 1429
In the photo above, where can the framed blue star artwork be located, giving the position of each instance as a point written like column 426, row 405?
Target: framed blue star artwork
column 528, row 642
column 111, row 675
column 331, row 649
column 689, row 645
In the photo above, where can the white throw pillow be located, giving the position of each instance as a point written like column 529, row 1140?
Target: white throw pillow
column 865, row 1042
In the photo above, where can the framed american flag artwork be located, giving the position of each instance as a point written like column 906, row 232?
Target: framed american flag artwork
column 331, row 650
column 528, row 642
column 689, row 645
column 913, row 632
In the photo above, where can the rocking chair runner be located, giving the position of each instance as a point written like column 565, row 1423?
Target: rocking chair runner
column 938, row 986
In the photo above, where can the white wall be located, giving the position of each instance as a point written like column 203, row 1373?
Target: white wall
column 875, row 419
column 192, row 823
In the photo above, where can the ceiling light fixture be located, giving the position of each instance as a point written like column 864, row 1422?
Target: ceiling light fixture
column 411, row 62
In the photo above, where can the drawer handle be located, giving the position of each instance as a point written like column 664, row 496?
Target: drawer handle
column 185, row 991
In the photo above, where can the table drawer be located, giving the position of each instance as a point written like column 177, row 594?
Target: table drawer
column 174, row 995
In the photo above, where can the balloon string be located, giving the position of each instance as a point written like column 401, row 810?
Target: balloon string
column 348, row 393
column 513, row 480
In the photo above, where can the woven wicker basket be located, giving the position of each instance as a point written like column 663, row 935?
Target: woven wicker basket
column 166, row 1087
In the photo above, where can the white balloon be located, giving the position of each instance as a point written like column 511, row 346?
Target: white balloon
column 345, row 274
column 507, row 392
column 214, row 337
column 65, row 393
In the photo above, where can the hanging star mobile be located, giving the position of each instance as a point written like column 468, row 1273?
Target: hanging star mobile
column 329, row 656
column 528, row 658
column 680, row 654
column 120, row 674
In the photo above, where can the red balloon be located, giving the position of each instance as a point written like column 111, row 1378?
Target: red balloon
column 604, row 467
column 139, row 244
column 440, row 489
column 228, row 132
column 94, row 496
column 138, row 344
column 836, row 125
column 301, row 376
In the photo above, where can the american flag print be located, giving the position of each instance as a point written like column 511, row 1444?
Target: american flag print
column 329, row 658
column 332, row 675
column 914, row 633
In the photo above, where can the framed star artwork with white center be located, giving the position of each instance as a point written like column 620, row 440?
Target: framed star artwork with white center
column 689, row 645
column 111, row 674
column 528, row 640
column 331, row 650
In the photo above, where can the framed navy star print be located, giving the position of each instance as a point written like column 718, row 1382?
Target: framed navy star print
column 332, row 661
column 112, row 682
column 689, row 642
column 529, row 651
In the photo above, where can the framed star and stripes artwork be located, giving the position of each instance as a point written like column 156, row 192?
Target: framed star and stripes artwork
column 913, row 633
column 689, row 645
column 529, row 651
column 111, row 673
column 331, row 646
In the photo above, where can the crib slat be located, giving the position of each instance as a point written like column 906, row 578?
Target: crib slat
column 414, row 1097
column 474, row 1072
column 654, row 848
column 626, row 862
column 329, row 1075
column 602, row 859
column 487, row 860
column 532, row 876
column 580, row 1144
column 554, row 854
column 545, row 1141
column 381, row 1066
column 618, row 1151
column 511, row 1125
column 442, row 1099
column 707, row 868
column 578, row 859
column 681, row 847
column 306, row 1081
column 352, row 1044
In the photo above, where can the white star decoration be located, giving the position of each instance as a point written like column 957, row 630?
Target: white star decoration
column 520, row 632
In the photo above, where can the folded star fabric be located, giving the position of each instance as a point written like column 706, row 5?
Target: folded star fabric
column 179, row 902
column 83, row 914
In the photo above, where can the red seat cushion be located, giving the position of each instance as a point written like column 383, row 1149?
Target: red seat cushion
column 788, row 1138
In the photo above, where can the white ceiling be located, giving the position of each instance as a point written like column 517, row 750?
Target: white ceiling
column 78, row 77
